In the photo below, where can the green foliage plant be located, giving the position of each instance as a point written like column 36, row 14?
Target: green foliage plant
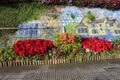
column 7, row 54
column 72, row 16
column 22, row 58
column 90, row 16
column 52, row 53
column 55, row 16
column 71, row 56
column 36, row 58
column 88, row 54
column 116, row 42
column 116, row 51
column 79, row 56
column 105, row 53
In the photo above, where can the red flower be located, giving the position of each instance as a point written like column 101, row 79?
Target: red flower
column 32, row 47
column 96, row 45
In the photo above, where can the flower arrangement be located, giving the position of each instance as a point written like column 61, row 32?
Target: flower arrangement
column 67, row 42
column 30, row 48
column 96, row 45
column 67, row 46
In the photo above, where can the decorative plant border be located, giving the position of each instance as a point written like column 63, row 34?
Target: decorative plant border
column 57, row 61
column 66, row 48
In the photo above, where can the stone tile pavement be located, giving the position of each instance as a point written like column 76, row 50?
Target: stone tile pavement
column 103, row 70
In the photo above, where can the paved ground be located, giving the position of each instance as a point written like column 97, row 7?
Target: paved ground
column 102, row 70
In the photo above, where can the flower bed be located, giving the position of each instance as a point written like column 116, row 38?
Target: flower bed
column 30, row 48
column 109, row 4
column 96, row 45
column 66, row 48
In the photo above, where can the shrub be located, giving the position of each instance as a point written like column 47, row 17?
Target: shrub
column 7, row 54
column 105, row 53
column 31, row 48
column 96, row 45
column 116, row 42
column 67, row 42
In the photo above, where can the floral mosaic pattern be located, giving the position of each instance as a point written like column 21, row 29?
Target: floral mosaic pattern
column 105, row 24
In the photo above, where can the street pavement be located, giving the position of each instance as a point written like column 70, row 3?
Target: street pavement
column 99, row 70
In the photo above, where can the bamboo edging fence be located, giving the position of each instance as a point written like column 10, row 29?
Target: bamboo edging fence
column 57, row 61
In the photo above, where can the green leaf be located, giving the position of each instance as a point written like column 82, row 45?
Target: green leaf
column 54, row 16
column 90, row 16
column 88, row 54
column 80, row 57
column 71, row 56
column 105, row 53
column 72, row 16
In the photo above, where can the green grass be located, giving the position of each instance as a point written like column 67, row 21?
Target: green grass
column 13, row 14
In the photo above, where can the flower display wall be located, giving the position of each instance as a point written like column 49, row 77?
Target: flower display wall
column 65, row 46
column 68, row 45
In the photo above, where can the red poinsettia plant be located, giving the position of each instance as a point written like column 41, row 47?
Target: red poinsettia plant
column 96, row 45
column 30, row 48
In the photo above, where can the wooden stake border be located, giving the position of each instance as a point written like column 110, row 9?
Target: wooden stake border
column 57, row 61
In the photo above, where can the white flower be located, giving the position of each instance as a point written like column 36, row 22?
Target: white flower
column 87, row 50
